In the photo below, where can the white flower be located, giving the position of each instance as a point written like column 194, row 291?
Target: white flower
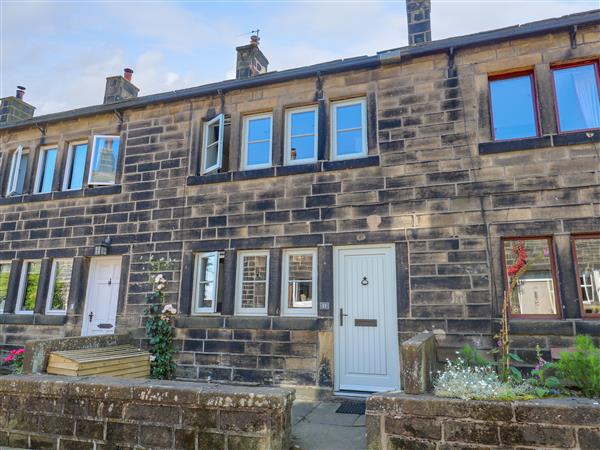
column 152, row 357
column 160, row 287
column 159, row 279
column 170, row 309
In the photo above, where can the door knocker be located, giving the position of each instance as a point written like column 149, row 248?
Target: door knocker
column 364, row 281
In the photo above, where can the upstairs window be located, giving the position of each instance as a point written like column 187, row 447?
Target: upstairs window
column 75, row 168
column 60, row 284
column 18, row 172
column 4, row 277
column 349, row 129
column 212, row 146
column 208, row 288
column 45, row 170
column 28, row 287
column 105, row 156
column 252, row 283
column 258, row 132
column 513, row 107
column 529, row 267
column 577, row 100
column 587, row 263
column 301, row 135
column 300, row 282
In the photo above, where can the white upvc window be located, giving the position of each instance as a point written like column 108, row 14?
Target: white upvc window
column 349, row 129
column 212, row 144
column 60, row 284
column 257, row 141
column 301, row 135
column 206, row 283
column 252, row 293
column 4, row 279
column 104, row 161
column 28, row 286
column 18, row 172
column 75, row 167
column 45, row 170
column 299, row 287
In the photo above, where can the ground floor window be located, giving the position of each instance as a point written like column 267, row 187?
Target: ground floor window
column 252, row 282
column 60, row 284
column 300, row 282
column 208, row 287
column 28, row 287
column 4, row 277
column 587, row 265
column 529, row 267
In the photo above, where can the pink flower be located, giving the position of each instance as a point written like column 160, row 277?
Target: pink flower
column 546, row 252
column 9, row 358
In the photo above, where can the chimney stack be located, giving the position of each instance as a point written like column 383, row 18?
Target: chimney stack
column 419, row 22
column 250, row 60
column 14, row 109
column 120, row 87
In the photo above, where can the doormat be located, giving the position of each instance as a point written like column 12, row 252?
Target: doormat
column 352, row 408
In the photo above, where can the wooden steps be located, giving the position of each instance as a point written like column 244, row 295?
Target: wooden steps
column 117, row 361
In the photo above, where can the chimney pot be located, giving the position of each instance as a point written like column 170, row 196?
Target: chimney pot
column 254, row 39
column 127, row 74
column 20, row 92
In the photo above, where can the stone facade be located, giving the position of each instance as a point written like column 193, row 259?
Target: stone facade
column 50, row 412
column 396, row 421
column 433, row 184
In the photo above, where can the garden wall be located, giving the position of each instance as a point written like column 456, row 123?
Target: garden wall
column 47, row 412
column 400, row 420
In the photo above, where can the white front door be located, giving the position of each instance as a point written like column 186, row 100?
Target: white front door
column 102, row 298
column 365, row 318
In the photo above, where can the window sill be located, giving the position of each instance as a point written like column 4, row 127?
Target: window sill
column 58, row 195
column 32, row 319
column 555, row 140
column 281, row 171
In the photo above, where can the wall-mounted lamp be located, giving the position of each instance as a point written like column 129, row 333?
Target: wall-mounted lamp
column 102, row 248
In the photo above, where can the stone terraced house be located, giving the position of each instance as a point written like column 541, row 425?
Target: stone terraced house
column 314, row 218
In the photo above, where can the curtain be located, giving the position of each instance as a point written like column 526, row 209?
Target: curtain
column 587, row 95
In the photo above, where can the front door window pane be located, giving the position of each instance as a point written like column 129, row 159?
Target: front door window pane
column 588, row 266
column 105, row 156
column 254, row 281
column 61, row 284
column 529, row 269
column 4, row 277
column 513, row 107
column 577, row 98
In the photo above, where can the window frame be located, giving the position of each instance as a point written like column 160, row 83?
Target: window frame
column 239, row 311
column 567, row 65
column 553, row 269
column 534, row 95
column 13, row 175
column 578, row 274
column 365, row 148
column 69, row 165
column 195, row 291
column 52, row 284
column 21, row 290
column 245, row 143
column 220, row 119
column 288, row 161
column 2, row 262
column 90, row 169
column 41, row 168
column 299, row 312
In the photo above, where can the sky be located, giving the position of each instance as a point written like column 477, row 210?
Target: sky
column 62, row 51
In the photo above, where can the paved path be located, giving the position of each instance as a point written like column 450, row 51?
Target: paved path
column 316, row 426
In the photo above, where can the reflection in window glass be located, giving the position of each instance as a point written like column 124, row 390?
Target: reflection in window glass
column 349, row 133
column 76, row 168
column 258, row 141
column 206, row 287
column 105, row 155
column 29, row 286
column 577, row 98
column 213, row 144
column 4, row 277
column 529, row 268
column 302, row 135
column 513, row 107
column 254, row 282
column 300, row 282
column 46, row 166
column 60, row 283
column 588, row 266
column 18, row 172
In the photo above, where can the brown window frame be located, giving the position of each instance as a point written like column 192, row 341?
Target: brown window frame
column 552, row 256
column 577, row 275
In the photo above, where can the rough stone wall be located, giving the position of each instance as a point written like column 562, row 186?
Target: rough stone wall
column 47, row 412
column 399, row 421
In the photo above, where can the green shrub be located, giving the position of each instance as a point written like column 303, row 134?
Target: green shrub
column 581, row 368
column 472, row 358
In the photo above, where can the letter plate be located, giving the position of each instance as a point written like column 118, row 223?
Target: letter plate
column 105, row 325
column 365, row 322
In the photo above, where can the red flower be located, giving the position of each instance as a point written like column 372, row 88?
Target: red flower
column 519, row 251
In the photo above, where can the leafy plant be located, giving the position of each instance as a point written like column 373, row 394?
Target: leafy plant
column 15, row 360
column 472, row 358
column 581, row 368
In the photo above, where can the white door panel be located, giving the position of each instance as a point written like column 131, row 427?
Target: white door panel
column 102, row 297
